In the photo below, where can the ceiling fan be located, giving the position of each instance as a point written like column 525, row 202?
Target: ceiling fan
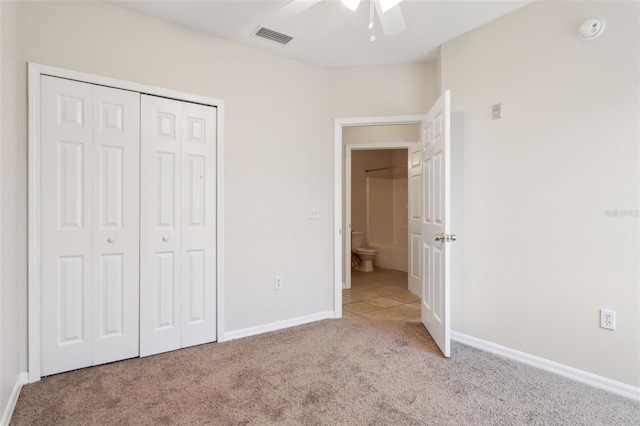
column 389, row 13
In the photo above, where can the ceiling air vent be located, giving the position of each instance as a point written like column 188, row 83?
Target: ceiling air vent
column 272, row 35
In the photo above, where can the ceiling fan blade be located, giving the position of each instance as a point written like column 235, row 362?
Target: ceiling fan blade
column 297, row 6
column 392, row 20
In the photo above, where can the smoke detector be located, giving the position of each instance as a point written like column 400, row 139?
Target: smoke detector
column 591, row 28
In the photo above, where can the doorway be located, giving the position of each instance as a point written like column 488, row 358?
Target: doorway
column 342, row 156
column 379, row 188
column 433, row 255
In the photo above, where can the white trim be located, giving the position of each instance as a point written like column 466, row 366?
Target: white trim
column 374, row 146
column 220, row 225
column 337, row 219
column 23, row 378
column 347, row 218
column 582, row 376
column 338, row 242
column 278, row 325
column 380, row 121
column 122, row 84
column 33, row 221
column 35, row 71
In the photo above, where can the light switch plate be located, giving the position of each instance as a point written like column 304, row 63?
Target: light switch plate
column 314, row 213
column 496, row 111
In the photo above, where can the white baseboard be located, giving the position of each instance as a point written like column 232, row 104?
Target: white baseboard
column 278, row 325
column 591, row 379
column 23, row 379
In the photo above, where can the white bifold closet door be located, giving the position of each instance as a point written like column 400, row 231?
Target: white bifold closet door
column 177, row 255
column 89, row 224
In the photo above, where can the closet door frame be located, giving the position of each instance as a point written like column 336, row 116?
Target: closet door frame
column 34, row 193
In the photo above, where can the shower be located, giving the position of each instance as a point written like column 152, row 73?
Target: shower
column 387, row 200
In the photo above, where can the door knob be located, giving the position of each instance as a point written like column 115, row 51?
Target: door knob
column 445, row 237
column 165, row 238
column 111, row 239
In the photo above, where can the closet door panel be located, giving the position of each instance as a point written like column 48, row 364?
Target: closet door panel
column 198, row 224
column 116, row 231
column 128, row 225
column 160, row 227
column 66, row 225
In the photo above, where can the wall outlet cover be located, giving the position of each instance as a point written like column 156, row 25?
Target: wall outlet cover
column 607, row 319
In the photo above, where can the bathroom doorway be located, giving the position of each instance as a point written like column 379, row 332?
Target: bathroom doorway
column 376, row 188
column 379, row 200
column 438, row 128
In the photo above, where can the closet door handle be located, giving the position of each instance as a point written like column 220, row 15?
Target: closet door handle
column 111, row 239
column 165, row 238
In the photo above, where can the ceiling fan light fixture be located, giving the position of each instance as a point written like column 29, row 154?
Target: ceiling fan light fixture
column 387, row 4
column 351, row 4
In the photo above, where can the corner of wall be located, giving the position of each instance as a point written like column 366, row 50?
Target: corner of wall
column 7, row 410
column 13, row 314
column 438, row 66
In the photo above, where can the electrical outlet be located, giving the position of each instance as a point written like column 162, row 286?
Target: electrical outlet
column 607, row 319
column 278, row 283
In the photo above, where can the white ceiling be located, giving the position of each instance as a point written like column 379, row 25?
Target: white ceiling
column 328, row 34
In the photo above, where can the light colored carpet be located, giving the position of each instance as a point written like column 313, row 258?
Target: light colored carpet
column 348, row 371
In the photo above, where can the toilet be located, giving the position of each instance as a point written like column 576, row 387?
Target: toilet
column 364, row 254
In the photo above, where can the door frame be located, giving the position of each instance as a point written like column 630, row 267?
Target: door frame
column 339, row 155
column 34, row 178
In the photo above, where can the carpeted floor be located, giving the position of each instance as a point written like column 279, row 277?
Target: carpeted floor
column 348, row 371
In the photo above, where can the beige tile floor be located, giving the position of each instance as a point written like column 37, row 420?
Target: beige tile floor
column 381, row 294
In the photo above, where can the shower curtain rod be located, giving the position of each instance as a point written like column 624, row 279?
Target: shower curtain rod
column 386, row 168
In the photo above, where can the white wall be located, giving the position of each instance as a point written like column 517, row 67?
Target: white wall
column 278, row 159
column 404, row 133
column 12, row 338
column 384, row 90
column 541, row 255
column 438, row 71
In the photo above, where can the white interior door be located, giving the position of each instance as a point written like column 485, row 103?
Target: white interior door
column 415, row 218
column 116, row 224
column 177, row 248
column 436, row 222
column 66, row 225
column 198, row 250
column 160, row 227
column 89, row 224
